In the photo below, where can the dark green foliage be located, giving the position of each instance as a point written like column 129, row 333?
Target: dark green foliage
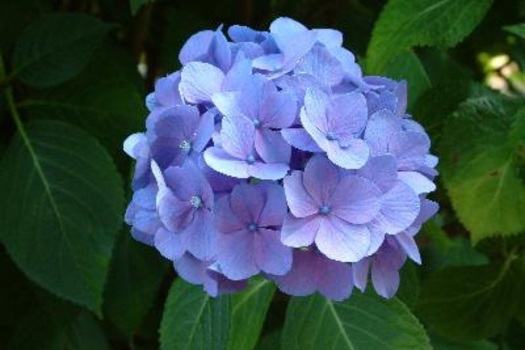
column 70, row 93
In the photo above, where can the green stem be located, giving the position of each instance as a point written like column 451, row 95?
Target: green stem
column 11, row 100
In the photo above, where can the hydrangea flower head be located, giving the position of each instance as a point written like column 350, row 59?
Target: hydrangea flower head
column 269, row 153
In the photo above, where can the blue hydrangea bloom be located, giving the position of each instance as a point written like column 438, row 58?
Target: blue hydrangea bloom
column 270, row 153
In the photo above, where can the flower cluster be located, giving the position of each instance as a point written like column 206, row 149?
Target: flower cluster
column 272, row 154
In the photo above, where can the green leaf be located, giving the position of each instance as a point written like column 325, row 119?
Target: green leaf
column 518, row 29
column 106, row 99
column 133, row 284
column 194, row 320
column 409, row 287
column 56, row 48
column 61, row 209
column 249, row 312
column 407, row 66
column 406, row 23
column 135, row 5
column 364, row 321
column 469, row 303
column 440, row 343
column 42, row 331
column 271, row 341
column 480, row 151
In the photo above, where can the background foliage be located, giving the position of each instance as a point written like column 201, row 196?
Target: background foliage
column 73, row 76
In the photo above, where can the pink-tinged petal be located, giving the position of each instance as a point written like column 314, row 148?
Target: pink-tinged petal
column 320, row 179
column 263, row 171
column 399, row 208
column 360, row 271
column 196, row 46
column 201, row 236
column 316, row 104
column 283, row 29
column 407, row 242
column 356, row 200
column 270, row 254
column 199, row 81
column 353, row 156
column 278, row 109
column 247, row 202
column 176, row 215
column 222, row 162
column 299, row 232
column 348, row 115
column 410, row 149
column 204, row 131
column 191, row 269
column 300, row 281
column 237, row 136
column 418, row 182
column 275, row 208
column 170, row 244
column 299, row 200
column 236, row 255
column 236, row 77
column 381, row 170
column 334, row 279
column 341, row 241
column 226, row 220
column 377, row 238
column 329, row 37
column 271, row 146
column 379, row 130
column 320, row 64
column 227, row 102
column 300, row 139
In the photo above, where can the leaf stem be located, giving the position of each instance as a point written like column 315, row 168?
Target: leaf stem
column 5, row 84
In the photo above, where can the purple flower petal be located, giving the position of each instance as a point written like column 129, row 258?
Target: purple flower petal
column 225, row 219
column 320, row 179
column 196, row 46
column 329, row 37
column 203, row 132
column 219, row 51
column 170, row 244
column 348, row 115
column 270, row 254
column 247, row 202
column 271, row 146
column 236, row 257
column 275, row 208
column 199, row 81
column 353, row 156
column 418, row 182
column 400, row 207
column 334, row 279
column 284, row 29
column 300, row 202
column 301, row 280
column 360, row 270
column 299, row 232
column 379, row 130
column 263, row 171
column 200, row 235
column 278, row 109
column 191, row 269
column 410, row 148
column 356, row 200
column 237, row 136
column 323, row 66
column 223, row 163
column 341, row 241
column 175, row 214
column 300, row 139
column 407, row 242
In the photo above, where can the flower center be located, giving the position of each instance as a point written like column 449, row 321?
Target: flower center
column 185, row 146
column 330, row 136
column 196, row 202
column 256, row 123
column 324, row 209
column 252, row 227
column 250, row 159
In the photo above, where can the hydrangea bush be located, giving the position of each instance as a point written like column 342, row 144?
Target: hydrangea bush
column 272, row 154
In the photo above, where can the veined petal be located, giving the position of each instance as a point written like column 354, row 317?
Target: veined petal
column 222, row 162
column 271, row 146
column 300, row 139
column 170, row 244
column 199, row 81
column 356, row 200
column 237, row 135
column 353, row 156
column 299, row 200
column 271, row 171
column 201, row 236
column 195, row 47
column 418, row 182
column 399, row 208
column 236, row 255
column 320, row 179
column 270, row 254
column 299, row 232
column 342, row 241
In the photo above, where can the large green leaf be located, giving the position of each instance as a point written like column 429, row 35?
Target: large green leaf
column 45, row 331
column 133, row 283
column 469, row 303
column 407, row 66
column 249, row 312
column 56, row 48
column 106, row 99
column 61, row 209
column 440, row 343
column 194, row 320
column 364, row 321
column 480, row 152
column 407, row 23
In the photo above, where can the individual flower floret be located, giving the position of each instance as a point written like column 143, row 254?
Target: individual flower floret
column 237, row 156
column 185, row 207
column 141, row 214
column 334, row 124
column 313, row 272
column 248, row 220
column 330, row 210
column 268, row 109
